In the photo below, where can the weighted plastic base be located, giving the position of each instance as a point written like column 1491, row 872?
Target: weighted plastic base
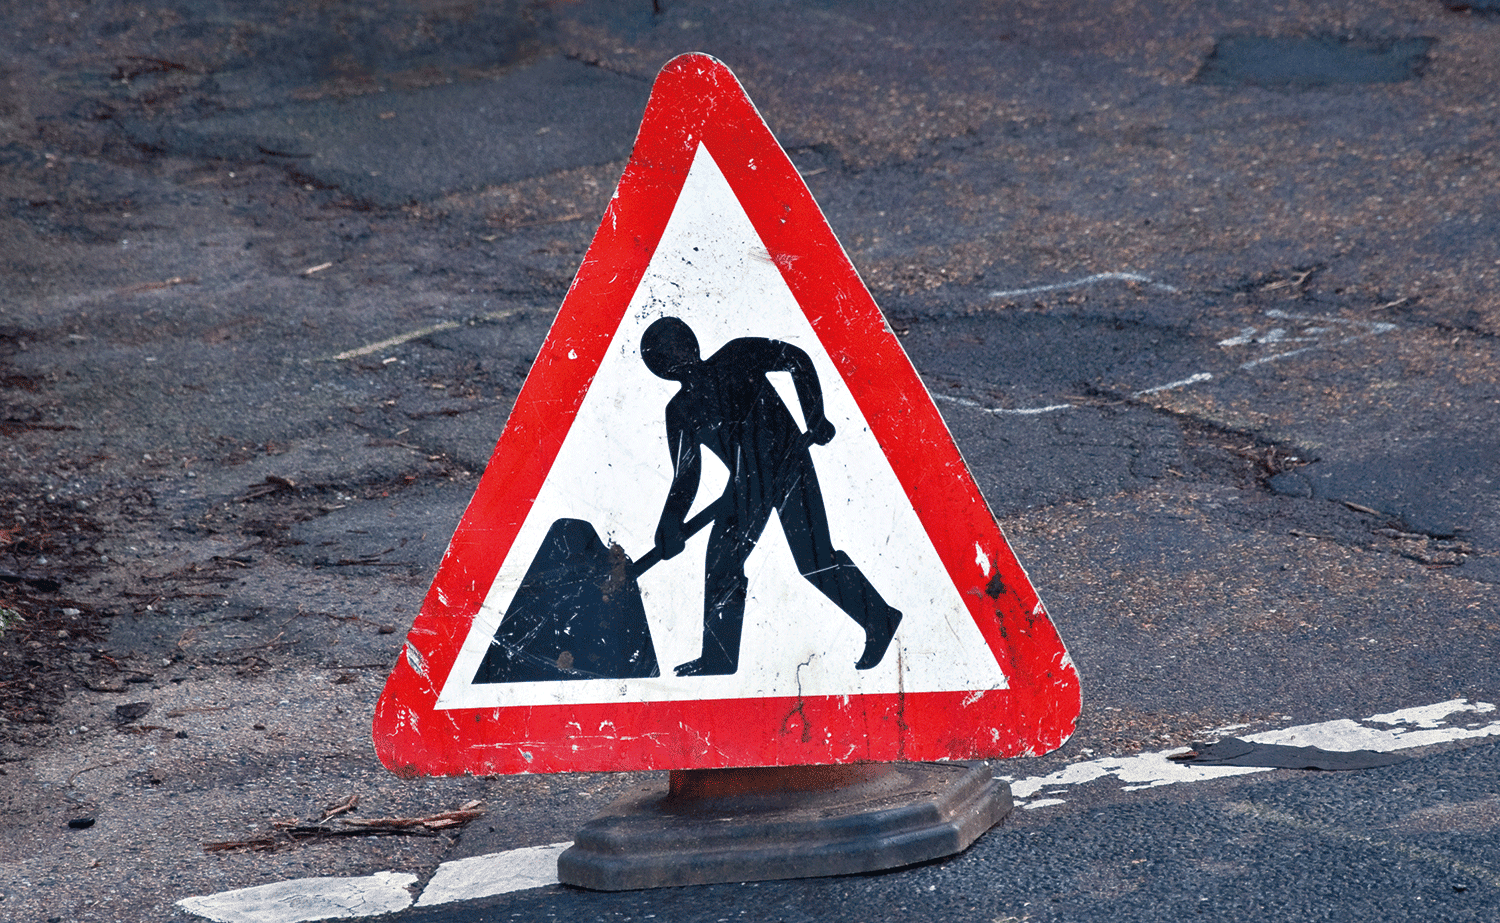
column 725, row 825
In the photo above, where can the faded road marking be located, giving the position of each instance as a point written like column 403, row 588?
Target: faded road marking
column 302, row 899
column 1088, row 280
column 1183, row 383
column 1149, row 770
column 1020, row 411
column 416, row 335
column 494, row 873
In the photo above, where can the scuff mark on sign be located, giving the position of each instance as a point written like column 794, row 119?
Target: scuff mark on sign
column 800, row 709
column 416, row 661
column 995, row 587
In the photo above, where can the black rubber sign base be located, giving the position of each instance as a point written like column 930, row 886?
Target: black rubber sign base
column 727, row 825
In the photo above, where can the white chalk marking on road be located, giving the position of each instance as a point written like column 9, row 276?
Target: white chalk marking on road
column 493, row 873
column 302, row 899
column 1373, row 326
column 1032, row 411
column 1088, row 280
column 416, row 335
column 1017, row 411
column 1149, row 770
column 1183, row 383
column 1295, row 352
column 1249, row 335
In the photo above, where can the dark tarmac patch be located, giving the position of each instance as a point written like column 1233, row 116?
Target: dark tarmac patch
column 1423, row 498
column 1313, row 61
column 390, row 149
column 405, row 532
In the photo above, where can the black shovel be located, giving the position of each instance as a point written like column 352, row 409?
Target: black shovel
column 577, row 613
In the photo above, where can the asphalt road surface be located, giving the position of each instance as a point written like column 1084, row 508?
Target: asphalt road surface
column 1209, row 295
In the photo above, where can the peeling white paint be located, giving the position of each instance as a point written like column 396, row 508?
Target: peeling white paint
column 1431, row 716
column 303, row 899
column 1042, row 803
column 982, row 559
column 1149, row 770
column 1144, row 770
column 1350, row 735
column 494, row 873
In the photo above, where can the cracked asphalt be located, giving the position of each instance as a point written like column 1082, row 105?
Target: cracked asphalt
column 1209, row 295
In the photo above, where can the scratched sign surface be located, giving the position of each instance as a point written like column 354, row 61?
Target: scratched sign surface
column 725, row 525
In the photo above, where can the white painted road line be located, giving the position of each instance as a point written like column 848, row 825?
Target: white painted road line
column 1144, row 770
column 536, row 866
column 302, row 899
column 1424, row 726
column 495, row 873
column 1428, row 721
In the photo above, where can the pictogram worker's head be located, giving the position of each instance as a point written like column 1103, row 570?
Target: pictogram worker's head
column 669, row 349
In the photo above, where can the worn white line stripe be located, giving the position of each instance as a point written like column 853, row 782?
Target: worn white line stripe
column 1018, row 411
column 1183, row 383
column 415, row 335
column 302, row 899
column 493, row 873
column 396, row 340
column 1087, row 280
column 1427, row 726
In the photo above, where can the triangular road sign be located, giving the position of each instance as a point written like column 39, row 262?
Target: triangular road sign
column 718, row 358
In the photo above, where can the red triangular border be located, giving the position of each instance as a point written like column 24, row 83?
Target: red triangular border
column 697, row 100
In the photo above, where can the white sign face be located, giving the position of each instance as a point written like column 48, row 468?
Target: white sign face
column 614, row 471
